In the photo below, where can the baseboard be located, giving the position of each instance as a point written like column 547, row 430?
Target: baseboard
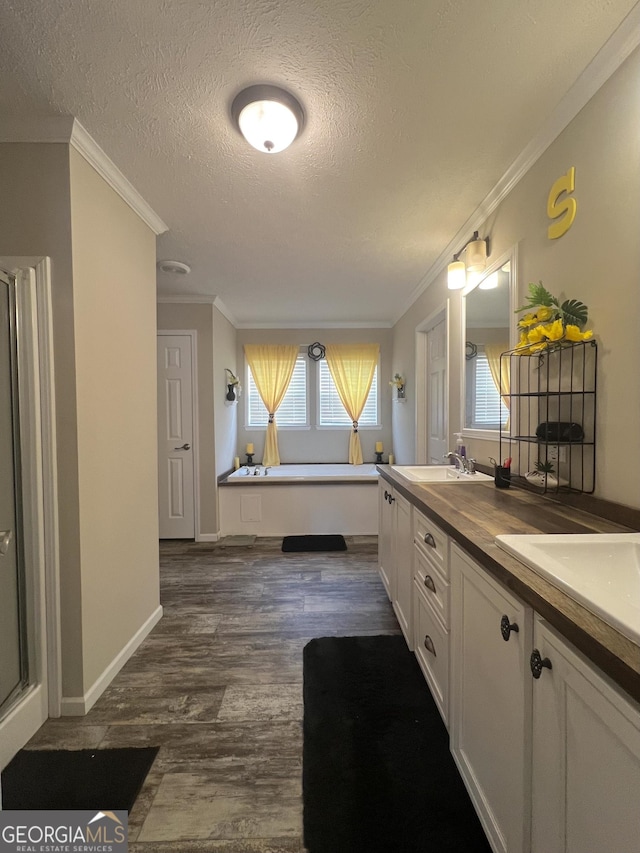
column 78, row 706
column 207, row 537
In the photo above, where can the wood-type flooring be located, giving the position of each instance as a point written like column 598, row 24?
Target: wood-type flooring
column 217, row 686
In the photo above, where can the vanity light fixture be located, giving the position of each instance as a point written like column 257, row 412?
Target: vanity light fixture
column 268, row 117
column 476, row 252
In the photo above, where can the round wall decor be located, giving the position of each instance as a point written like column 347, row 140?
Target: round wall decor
column 316, row 351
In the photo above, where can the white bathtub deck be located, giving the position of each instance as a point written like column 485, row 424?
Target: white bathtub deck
column 288, row 501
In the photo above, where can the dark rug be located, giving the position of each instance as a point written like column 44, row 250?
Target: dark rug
column 378, row 776
column 76, row 779
column 314, row 543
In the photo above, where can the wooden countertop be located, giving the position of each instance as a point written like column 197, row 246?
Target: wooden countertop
column 473, row 514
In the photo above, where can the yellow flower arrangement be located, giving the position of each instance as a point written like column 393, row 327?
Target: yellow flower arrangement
column 550, row 324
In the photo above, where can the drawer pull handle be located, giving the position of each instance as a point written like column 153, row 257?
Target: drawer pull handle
column 507, row 627
column 429, row 540
column 538, row 663
column 428, row 644
column 428, row 582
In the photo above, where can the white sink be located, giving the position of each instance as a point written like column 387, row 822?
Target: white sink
column 438, row 474
column 600, row 570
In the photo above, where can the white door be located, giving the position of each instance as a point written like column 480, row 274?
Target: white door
column 437, row 439
column 175, row 437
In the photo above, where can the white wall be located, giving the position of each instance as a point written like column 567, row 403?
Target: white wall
column 596, row 261
column 103, row 294
column 114, row 290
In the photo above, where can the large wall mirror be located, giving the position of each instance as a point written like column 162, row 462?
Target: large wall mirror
column 488, row 330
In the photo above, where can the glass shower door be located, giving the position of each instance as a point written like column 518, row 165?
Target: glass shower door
column 13, row 657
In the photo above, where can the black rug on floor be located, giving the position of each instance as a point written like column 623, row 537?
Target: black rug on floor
column 378, row 776
column 314, row 543
column 76, row 779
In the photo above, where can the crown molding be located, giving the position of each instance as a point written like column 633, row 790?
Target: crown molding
column 86, row 145
column 601, row 68
column 385, row 324
column 222, row 308
column 200, row 299
column 68, row 130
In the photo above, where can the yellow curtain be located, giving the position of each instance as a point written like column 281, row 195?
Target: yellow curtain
column 272, row 368
column 352, row 367
column 500, row 371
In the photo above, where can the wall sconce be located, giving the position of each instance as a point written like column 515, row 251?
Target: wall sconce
column 476, row 252
column 233, row 388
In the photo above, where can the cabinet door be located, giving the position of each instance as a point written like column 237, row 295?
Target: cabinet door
column 490, row 709
column 432, row 650
column 385, row 528
column 403, row 559
column 586, row 756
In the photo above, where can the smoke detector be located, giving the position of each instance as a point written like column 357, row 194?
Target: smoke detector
column 174, row 267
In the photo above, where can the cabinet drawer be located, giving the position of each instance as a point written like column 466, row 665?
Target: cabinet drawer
column 432, row 651
column 432, row 583
column 432, row 540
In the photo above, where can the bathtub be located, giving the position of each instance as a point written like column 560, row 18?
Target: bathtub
column 287, row 500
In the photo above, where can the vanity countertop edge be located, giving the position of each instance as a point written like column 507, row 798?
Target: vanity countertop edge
column 474, row 514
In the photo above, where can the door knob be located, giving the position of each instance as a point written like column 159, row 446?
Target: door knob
column 5, row 540
column 184, row 447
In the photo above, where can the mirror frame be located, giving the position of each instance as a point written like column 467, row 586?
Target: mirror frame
column 511, row 257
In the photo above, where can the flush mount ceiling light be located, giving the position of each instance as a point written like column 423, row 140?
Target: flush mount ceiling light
column 268, row 117
column 174, row 267
column 476, row 252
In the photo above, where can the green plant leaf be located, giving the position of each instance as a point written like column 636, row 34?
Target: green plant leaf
column 574, row 312
column 538, row 295
column 545, row 467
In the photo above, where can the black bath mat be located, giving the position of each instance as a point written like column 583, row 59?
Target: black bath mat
column 314, row 543
column 76, row 779
column 378, row 776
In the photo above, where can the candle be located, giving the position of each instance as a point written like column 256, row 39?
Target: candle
column 250, row 447
column 236, row 463
column 392, row 459
column 378, row 447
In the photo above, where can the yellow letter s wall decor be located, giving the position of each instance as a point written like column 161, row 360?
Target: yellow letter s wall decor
column 565, row 207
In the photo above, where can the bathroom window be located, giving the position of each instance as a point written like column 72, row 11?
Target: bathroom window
column 293, row 411
column 331, row 412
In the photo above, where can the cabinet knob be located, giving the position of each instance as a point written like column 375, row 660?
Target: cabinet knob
column 507, row 627
column 429, row 540
column 428, row 644
column 428, row 582
column 538, row 663
column 386, row 495
column 391, row 499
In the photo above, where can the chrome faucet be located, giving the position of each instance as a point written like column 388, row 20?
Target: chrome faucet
column 459, row 460
column 464, row 465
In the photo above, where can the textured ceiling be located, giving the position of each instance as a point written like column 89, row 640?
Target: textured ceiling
column 414, row 110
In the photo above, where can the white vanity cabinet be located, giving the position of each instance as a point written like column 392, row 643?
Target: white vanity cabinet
column 586, row 755
column 492, row 634
column 395, row 554
column 431, row 607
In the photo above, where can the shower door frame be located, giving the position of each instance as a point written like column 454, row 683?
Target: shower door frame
column 42, row 697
